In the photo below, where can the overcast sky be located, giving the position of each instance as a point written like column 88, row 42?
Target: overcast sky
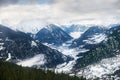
column 41, row 12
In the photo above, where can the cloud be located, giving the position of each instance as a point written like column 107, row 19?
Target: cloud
column 24, row 2
column 59, row 11
column 87, row 6
column 7, row 2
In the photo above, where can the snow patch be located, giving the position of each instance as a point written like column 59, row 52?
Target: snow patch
column 95, row 39
column 36, row 60
column 1, row 46
column 33, row 43
column 50, row 28
column 9, row 57
column 0, row 39
column 7, row 39
column 65, row 67
column 76, row 35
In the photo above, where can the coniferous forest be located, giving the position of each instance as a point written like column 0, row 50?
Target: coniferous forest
column 11, row 71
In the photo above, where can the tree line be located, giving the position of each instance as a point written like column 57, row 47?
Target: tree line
column 11, row 71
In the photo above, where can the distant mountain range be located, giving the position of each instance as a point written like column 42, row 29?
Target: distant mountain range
column 90, row 38
column 85, row 55
column 75, row 30
column 95, row 58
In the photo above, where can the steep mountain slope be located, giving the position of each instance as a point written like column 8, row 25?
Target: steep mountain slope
column 108, row 48
column 52, row 34
column 89, row 39
column 16, row 46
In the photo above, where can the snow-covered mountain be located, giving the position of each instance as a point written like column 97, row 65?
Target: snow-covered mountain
column 90, row 38
column 52, row 34
column 18, row 47
column 34, row 26
column 26, row 25
column 103, row 61
column 95, row 54
column 75, row 30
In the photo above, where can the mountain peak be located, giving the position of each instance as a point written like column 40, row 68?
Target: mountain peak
column 52, row 27
column 52, row 34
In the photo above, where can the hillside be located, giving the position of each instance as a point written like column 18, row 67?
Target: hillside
column 52, row 34
column 108, row 48
column 10, row 71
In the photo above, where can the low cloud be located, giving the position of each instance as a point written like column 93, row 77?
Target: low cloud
column 13, row 12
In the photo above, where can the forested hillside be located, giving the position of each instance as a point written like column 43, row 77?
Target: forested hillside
column 10, row 71
column 109, row 48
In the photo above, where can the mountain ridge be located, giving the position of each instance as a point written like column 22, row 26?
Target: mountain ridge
column 19, row 46
column 52, row 34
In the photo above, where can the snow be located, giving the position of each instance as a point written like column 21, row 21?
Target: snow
column 7, row 39
column 95, row 39
column 64, row 49
column 33, row 43
column 36, row 60
column 9, row 57
column 104, row 67
column 75, row 35
column 1, row 46
column 26, row 25
column 29, row 26
column 66, row 67
column 49, row 27
column 0, row 39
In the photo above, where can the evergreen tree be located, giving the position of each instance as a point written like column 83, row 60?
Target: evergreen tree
column 10, row 71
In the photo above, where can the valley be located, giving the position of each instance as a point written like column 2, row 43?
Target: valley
column 95, row 54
